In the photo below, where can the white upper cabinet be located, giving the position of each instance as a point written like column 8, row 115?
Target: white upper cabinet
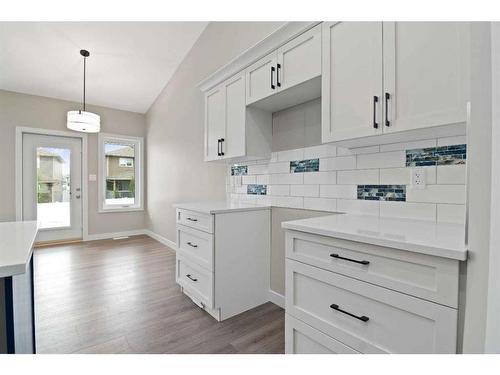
column 351, row 80
column 299, row 60
column 261, row 78
column 233, row 131
column 425, row 73
column 392, row 77
column 214, row 122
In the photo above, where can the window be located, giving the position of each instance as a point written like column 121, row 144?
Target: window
column 120, row 173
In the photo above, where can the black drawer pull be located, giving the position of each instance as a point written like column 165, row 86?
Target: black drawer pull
column 191, row 219
column 365, row 262
column 375, row 101
column 387, row 97
column 192, row 244
column 337, row 308
column 191, row 278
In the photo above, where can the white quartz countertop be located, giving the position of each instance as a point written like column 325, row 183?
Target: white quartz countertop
column 16, row 246
column 220, row 207
column 426, row 237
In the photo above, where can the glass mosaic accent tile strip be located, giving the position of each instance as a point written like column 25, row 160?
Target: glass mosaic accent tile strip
column 382, row 192
column 310, row 165
column 257, row 189
column 239, row 170
column 443, row 155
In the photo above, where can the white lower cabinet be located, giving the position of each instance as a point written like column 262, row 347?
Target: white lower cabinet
column 335, row 307
column 220, row 263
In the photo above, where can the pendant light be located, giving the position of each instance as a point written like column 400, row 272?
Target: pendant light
column 83, row 121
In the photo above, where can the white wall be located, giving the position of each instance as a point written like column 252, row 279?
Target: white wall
column 40, row 112
column 176, row 170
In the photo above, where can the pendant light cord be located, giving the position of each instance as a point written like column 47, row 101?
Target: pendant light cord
column 84, row 69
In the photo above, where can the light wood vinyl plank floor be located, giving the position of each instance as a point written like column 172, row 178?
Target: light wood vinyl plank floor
column 120, row 296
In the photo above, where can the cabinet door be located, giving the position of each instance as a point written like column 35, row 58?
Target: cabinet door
column 352, row 80
column 425, row 73
column 261, row 78
column 235, row 110
column 214, row 122
column 300, row 59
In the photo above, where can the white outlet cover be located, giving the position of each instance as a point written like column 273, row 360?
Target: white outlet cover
column 92, row 177
column 418, row 178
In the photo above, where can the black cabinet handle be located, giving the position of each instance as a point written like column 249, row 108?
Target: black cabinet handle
column 278, row 67
column 365, row 262
column 218, row 147
column 221, row 142
column 191, row 219
column 191, row 278
column 272, row 78
column 375, row 101
column 192, row 244
column 387, row 97
column 337, row 308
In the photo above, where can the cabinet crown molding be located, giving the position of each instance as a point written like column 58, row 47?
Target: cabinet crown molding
column 276, row 39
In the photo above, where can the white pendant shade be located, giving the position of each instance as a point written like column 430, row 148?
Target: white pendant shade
column 82, row 121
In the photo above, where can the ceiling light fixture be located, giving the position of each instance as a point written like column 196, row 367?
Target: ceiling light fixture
column 82, row 121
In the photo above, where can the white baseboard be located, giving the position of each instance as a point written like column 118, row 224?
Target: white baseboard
column 104, row 236
column 276, row 298
column 163, row 240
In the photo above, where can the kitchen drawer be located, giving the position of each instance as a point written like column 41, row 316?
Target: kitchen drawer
column 428, row 277
column 301, row 338
column 198, row 282
column 196, row 245
column 397, row 323
column 197, row 220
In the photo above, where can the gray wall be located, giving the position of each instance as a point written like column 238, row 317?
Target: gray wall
column 176, row 170
column 40, row 112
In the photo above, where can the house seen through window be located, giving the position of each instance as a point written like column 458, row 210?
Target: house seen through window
column 120, row 173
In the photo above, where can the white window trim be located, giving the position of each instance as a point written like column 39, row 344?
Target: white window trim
column 138, row 143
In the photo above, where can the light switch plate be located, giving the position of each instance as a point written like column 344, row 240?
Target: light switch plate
column 92, row 177
column 418, row 180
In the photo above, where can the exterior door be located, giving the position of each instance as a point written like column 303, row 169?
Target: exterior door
column 426, row 70
column 52, row 176
column 351, row 80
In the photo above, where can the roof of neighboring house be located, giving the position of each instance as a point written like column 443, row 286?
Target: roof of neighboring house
column 47, row 153
column 123, row 152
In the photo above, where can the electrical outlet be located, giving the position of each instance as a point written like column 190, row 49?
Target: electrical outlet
column 418, row 178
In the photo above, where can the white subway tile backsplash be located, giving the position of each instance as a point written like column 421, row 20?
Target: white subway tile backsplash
column 408, row 210
column 320, row 178
column 292, row 202
column 437, row 194
column 357, row 151
column 304, row 190
column 322, row 151
column 320, row 204
column 281, row 167
column 408, row 145
column 286, row 179
column 360, row 207
column 451, row 174
column 281, row 190
column 338, row 163
column 290, row 155
column 258, row 169
column 247, row 180
column 402, row 176
column 339, row 191
column 262, row 179
column 451, row 213
column 355, row 177
column 393, row 159
column 448, row 141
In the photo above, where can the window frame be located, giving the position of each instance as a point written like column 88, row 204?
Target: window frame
column 138, row 144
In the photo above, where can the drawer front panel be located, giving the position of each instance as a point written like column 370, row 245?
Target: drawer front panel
column 301, row 338
column 197, row 245
column 204, row 222
column 198, row 281
column 339, row 305
column 424, row 276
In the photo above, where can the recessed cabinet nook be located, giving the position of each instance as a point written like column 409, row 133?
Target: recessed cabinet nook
column 346, row 291
column 379, row 82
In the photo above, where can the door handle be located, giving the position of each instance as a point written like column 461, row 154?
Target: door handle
column 272, row 78
column 337, row 308
column 77, row 196
column 221, row 142
column 375, row 101
column 218, row 147
column 278, row 67
column 387, row 97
